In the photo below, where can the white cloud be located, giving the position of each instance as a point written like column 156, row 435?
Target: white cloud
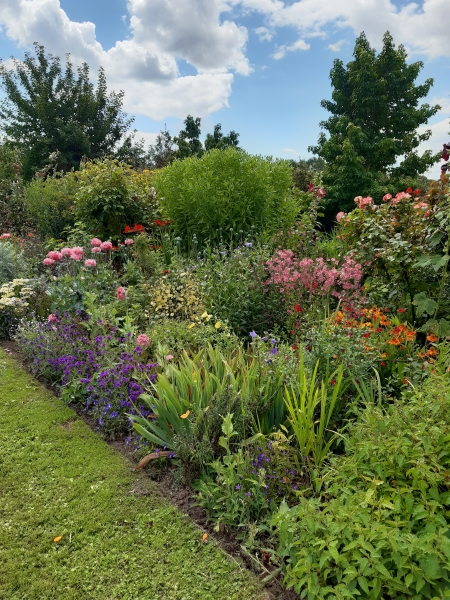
column 264, row 34
column 421, row 25
column 298, row 45
column 291, row 151
column 145, row 65
column 336, row 47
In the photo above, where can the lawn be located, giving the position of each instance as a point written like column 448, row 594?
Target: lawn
column 118, row 537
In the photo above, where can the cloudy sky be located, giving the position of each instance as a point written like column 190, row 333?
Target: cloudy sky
column 259, row 67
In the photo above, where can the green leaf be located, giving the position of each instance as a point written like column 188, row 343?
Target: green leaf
column 363, row 584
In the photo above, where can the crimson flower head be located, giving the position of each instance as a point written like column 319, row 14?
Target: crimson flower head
column 138, row 228
column 127, row 229
column 401, row 310
column 445, row 155
column 311, row 187
column 417, row 192
column 298, row 308
column 409, row 190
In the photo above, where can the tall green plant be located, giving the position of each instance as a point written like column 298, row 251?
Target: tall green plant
column 226, row 194
column 310, row 407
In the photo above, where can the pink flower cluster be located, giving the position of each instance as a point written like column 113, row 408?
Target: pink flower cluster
column 314, row 277
column 400, row 196
column 363, row 202
column 122, row 293
column 97, row 245
column 340, row 216
column 5, row 236
column 75, row 253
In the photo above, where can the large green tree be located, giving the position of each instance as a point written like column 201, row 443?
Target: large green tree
column 49, row 109
column 371, row 146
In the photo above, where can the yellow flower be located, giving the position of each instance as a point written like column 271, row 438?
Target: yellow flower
column 191, row 325
column 218, row 325
column 57, row 539
column 185, row 415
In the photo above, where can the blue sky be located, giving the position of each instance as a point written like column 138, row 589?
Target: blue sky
column 259, row 67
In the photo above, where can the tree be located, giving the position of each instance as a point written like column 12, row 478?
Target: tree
column 220, row 141
column 373, row 136
column 47, row 109
column 188, row 140
column 162, row 153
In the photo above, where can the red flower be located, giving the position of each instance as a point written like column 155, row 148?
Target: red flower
column 311, row 187
column 298, row 308
column 127, row 229
column 366, row 335
column 379, row 329
column 417, row 192
column 401, row 310
column 294, row 347
column 383, row 364
column 409, row 190
column 333, row 381
column 138, row 228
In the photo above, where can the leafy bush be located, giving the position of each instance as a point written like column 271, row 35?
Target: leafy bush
column 232, row 287
column 380, row 528
column 110, row 196
column 50, row 203
column 12, row 262
column 226, row 195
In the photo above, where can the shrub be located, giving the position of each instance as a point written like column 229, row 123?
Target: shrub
column 50, row 203
column 108, row 197
column 232, row 287
column 12, row 262
column 226, row 195
column 380, row 528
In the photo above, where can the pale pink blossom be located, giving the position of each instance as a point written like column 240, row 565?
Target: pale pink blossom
column 340, row 216
column 66, row 251
column 90, row 262
column 122, row 293
column 143, row 341
column 5, row 236
column 96, row 250
column 54, row 255
column 106, row 246
column 387, row 197
column 400, row 196
column 48, row 261
column 96, row 242
column 422, row 205
column 128, row 242
column 52, row 318
column 169, row 357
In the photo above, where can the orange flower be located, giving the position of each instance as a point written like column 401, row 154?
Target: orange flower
column 394, row 342
column 204, row 538
column 57, row 539
column 410, row 335
column 432, row 338
column 185, row 415
column 432, row 352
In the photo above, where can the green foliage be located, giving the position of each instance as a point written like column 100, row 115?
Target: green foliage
column 12, row 262
column 50, row 204
column 375, row 116
column 380, row 528
column 47, row 110
column 225, row 195
column 188, row 140
column 219, row 141
column 310, row 404
column 232, row 284
column 104, row 202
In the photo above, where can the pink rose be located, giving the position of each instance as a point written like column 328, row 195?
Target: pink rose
column 387, row 197
column 106, row 246
column 90, row 262
column 340, row 216
column 129, row 241
column 96, row 242
column 367, row 201
column 96, row 249
column 143, row 341
column 48, row 261
column 54, row 255
column 122, row 293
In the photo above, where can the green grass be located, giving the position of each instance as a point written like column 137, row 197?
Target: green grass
column 121, row 539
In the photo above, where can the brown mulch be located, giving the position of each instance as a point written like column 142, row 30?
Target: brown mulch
column 181, row 496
